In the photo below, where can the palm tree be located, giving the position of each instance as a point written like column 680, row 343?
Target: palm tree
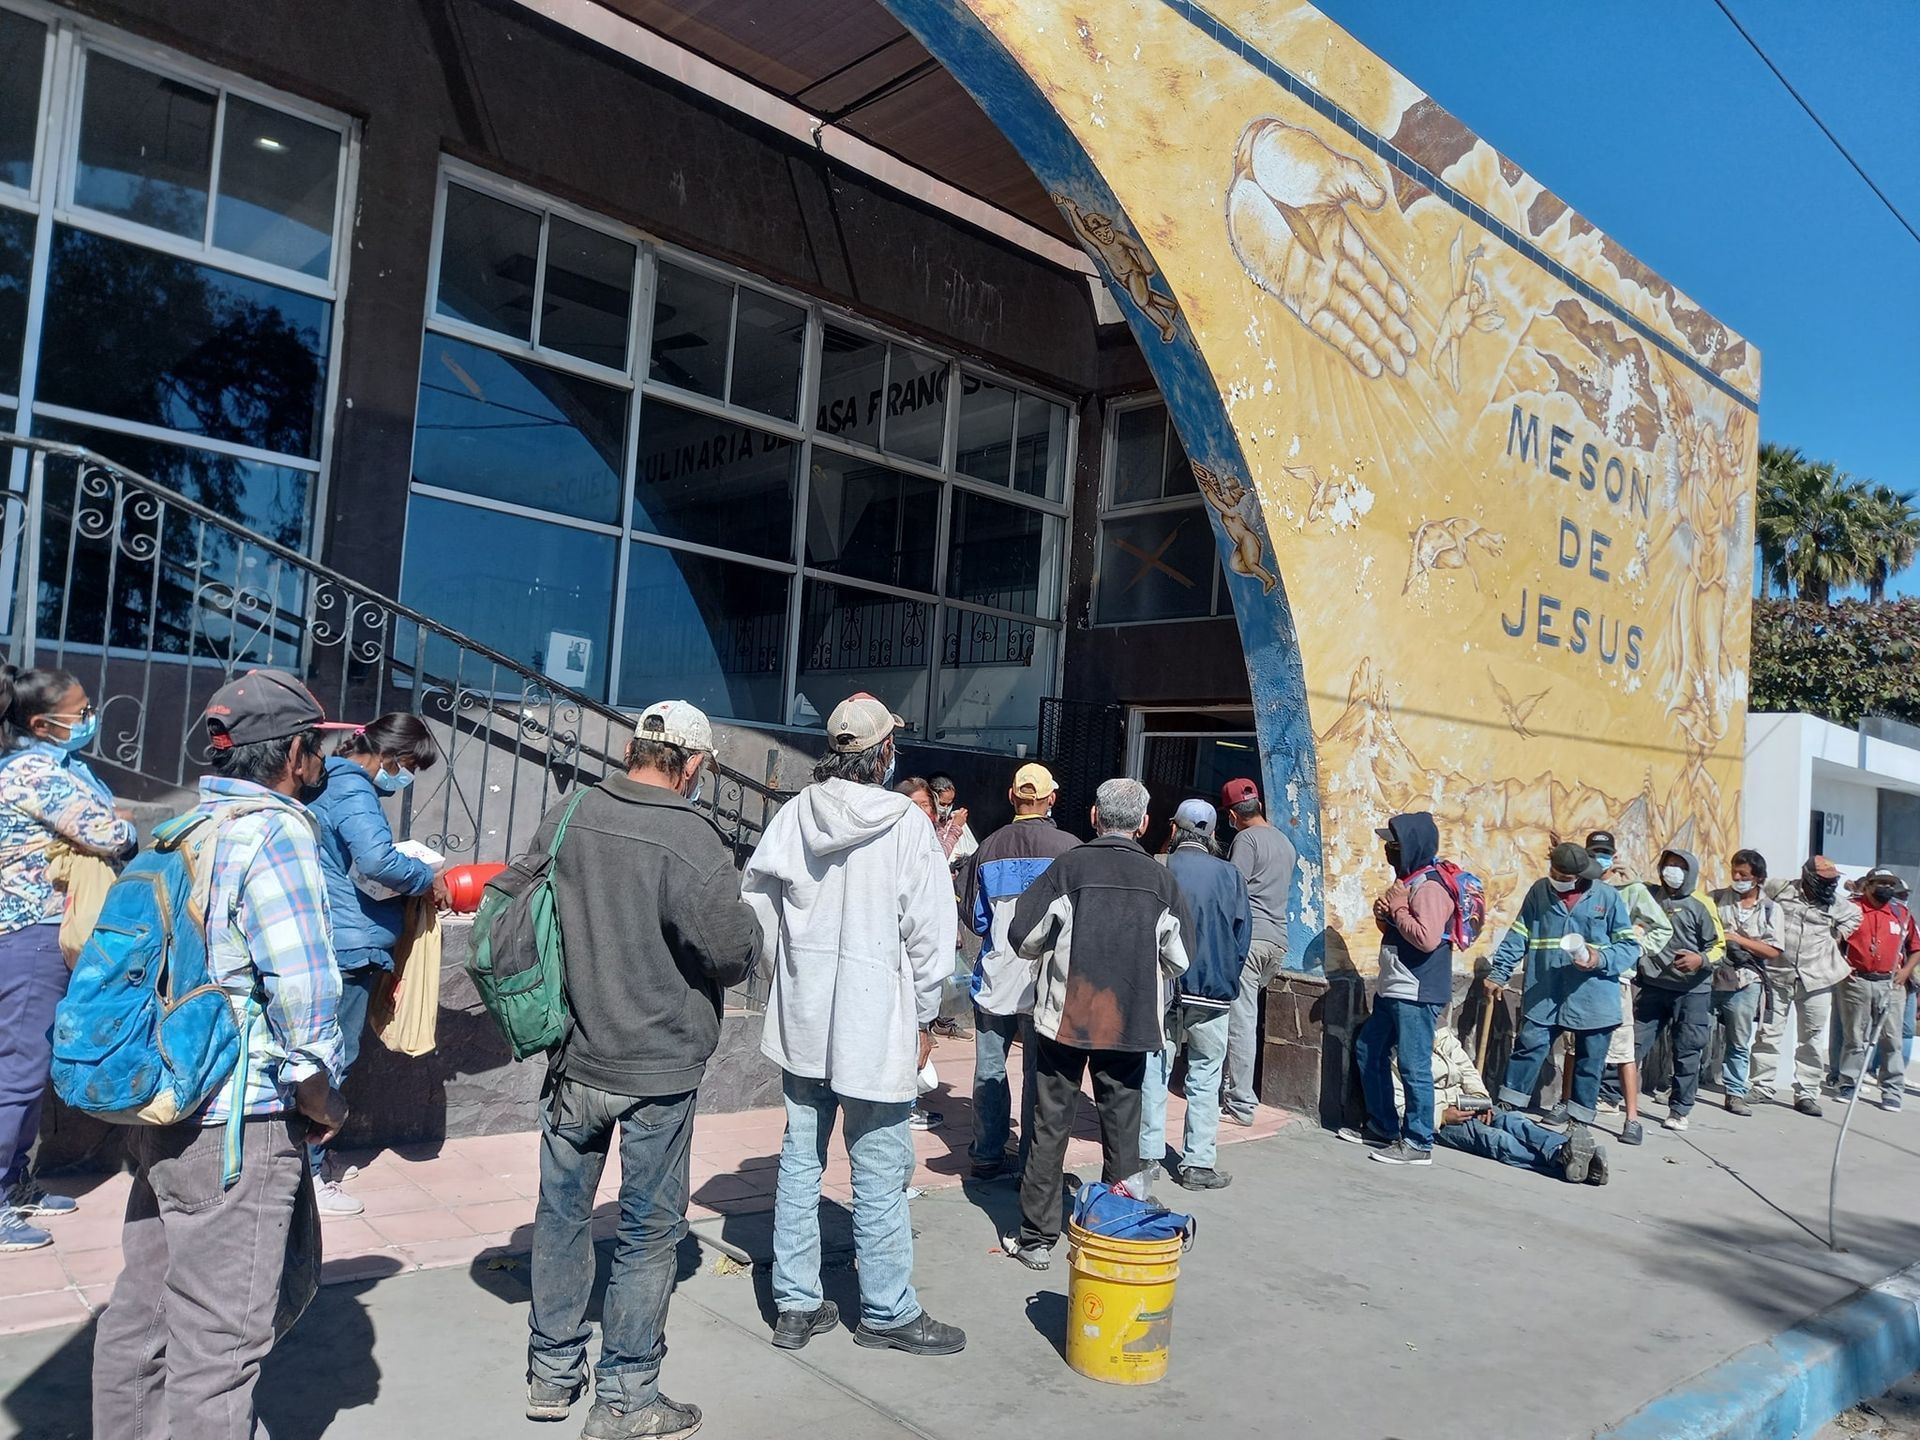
column 1893, row 536
column 1774, row 519
column 1815, row 526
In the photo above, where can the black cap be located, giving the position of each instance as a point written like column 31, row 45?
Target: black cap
column 1602, row 841
column 260, row 705
column 1569, row 859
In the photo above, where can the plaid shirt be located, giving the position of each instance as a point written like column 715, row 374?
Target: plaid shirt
column 47, row 795
column 267, row 927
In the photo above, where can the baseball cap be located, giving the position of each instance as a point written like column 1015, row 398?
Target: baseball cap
column 1033, row 782
column 262, row 705
column 860, row 722
column 1569, row 858
column 675, row 722
column 1236, row 792
column 1197, row 814
column 1878, row 873
column 1600, row 842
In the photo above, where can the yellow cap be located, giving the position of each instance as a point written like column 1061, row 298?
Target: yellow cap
column 1033, row 782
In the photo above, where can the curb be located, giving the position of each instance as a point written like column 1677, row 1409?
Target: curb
column 1791, row 1385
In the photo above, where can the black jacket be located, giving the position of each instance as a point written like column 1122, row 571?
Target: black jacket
column 655, row 932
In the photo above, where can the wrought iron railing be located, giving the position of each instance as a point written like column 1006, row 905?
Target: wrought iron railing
column 154, row 600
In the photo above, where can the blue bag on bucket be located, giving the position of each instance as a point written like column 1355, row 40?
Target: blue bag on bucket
column 1102, row 1209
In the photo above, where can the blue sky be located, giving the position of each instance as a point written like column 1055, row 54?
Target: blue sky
column 1655, row 120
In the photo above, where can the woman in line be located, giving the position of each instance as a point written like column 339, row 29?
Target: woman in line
column 46, row 794
column 357, row 850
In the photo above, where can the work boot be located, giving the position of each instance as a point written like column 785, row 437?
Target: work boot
column 662, row 1420
column 1632, row 1134
column 795, row 1328
column 551, row 1402
column 922, row 1335
column 1201, row 1177
column 1597, row 1168
column 1576, row 1156
column 1807, row 1105
column 1034, row 1257
column 1401, row 1153
column 1737, row 1105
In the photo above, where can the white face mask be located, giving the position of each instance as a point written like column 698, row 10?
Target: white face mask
column 1565, row 887
column 1673, row 877
column 1743, row 887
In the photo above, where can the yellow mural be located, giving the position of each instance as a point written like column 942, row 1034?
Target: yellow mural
column 1513, row 519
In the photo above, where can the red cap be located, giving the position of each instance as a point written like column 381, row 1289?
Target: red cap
column 1235, row 792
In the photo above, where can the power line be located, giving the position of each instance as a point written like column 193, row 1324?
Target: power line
column 1845, row 154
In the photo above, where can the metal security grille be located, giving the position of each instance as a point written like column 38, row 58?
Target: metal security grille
column 1083, row 743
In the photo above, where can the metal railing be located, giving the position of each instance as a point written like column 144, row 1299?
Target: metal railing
column 154, row 600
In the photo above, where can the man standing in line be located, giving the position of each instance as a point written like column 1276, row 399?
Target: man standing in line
column 1751, row 920
column 1263, row 854
column 1105, row 923
column 1881, row 954
column 856, row 905
column 650, row 905
column 1008, row 861
column 1815, row 923
column 1221, row 917
column 1675, row 993
column 1654, row 930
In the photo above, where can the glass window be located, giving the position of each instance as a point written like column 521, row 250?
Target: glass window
column 916, row 405
column 986, row 428
column 853, row 371
column 540, row 593
column 146, row 147
column 1157, row 566
column 139, row 335
column 23, row 49
column 488, row 253
column 994, row 553
column 769, row 342
column 870, row 522
column 1139, row 454
column 16, row 270
column 714, row 482
column 854, row 640
column 588, row 299
column 499, row 426
column 705, row 631
column 993, row 674
column 278, row 179
column 692, row 315
column 1040, row 448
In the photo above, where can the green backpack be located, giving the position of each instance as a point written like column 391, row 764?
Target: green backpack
column 518, row 962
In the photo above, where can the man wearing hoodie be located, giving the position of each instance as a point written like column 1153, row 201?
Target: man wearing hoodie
column 1676, row 984
column 1881, row 955
column 998, row 874
column 856, row 902
column 1104, row 925
column 1221, row 919
column 1576, row 940
column 1414, row 985
column 1815, row 923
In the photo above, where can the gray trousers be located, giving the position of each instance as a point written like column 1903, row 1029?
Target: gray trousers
column 1864, row 1003
column 178, row 1349
column 1813, row 1013
column 1237, row 1096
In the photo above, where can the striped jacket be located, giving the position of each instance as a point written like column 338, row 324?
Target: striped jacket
column 1558, row 992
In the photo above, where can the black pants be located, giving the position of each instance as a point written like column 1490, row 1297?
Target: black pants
column 1117, row 1078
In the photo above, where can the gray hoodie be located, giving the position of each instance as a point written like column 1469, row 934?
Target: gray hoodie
column 856, row 901
column 1696, row 930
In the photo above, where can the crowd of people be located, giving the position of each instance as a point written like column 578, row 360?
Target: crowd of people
column 1093, row 959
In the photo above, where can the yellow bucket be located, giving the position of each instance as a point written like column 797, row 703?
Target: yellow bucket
column 1120, row 1306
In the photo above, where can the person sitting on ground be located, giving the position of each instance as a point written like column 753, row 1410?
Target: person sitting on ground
column 1751, row 920
column 1881, row 954
column 1674, row 992
column 1815, row 922
column 1221, row 917
column 1504, row 1135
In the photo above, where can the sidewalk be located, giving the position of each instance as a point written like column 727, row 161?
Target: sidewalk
column 435, row 1206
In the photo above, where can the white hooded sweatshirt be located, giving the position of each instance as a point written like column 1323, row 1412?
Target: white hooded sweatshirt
column 856, row 901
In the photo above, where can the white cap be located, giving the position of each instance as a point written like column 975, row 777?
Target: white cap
column 860, row 722
column 675, row 722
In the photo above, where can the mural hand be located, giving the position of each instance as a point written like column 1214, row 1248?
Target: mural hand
column 1289, row 213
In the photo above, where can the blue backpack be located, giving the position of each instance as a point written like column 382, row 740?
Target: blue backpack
column 146, row 1033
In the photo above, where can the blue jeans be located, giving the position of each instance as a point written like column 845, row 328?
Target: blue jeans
column 656, row 1143
column 1734, row 1012
column 356, row 992
column 881, row 1148
column 1205, row 1041
column 33, row 977
column 1530, row 1047
column 1510, row 1138
column 993, row 1037
column 1403, row 1028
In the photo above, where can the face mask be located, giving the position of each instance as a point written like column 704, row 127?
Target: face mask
column 1673, row 877
column 1564, row 887
column 1819, row 889
column 699, row 787
column 1743, row 887
column 893, row 764
column 944, row 810
column 81, row 735
column 1882, row 894
column 1605, row 862
column 1393, row 857
column 392, row 784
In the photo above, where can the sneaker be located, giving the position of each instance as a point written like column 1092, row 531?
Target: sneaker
column 925, row 1119
column 1234, row 1117
column 1401, row 1153
column 1034, row 1257
column 1737, row 1105
column 1597, row 1167
column 330, row 1199
column 1201, row 1177
column 1632, row 1134
column 1609, row 1107
column 949, row 1028
column 1366, row 1136
column 1807, row 1105
column 662, row 1420
column 1556, row 1117
column 1576, row 1156
column 1071, row 1183
column 922, row 1335
column 795, row 1328
column 551, row 1402
column 1890, row 1100
column 1674, row 1122
column 994, row 1169
column 27, row 1198
column 1843, row 1093
column 17, row 1234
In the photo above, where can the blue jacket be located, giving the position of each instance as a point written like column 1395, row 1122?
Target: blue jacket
column 354, row 832
column 1558, row 992
column 1220, row 932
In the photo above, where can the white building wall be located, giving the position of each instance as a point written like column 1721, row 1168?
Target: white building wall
column 1797, row 764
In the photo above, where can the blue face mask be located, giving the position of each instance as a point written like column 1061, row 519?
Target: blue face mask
column 81, row 735
column 392, row 784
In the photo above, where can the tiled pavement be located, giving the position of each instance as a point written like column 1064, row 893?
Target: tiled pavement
column 456, row 1201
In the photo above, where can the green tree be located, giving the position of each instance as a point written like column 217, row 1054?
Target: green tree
column 1820, row 531
column 1893, row 536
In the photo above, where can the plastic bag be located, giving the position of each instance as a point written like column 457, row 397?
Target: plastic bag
column 1111, row 1210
